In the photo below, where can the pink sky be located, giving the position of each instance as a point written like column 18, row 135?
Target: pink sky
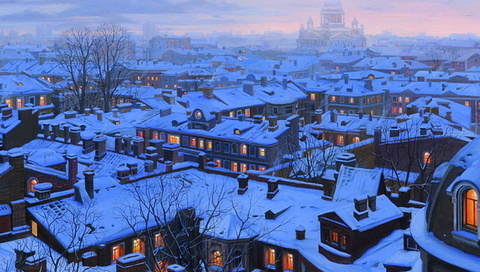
column 403, row 17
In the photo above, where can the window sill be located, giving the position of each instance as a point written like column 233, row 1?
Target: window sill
column 466, row 237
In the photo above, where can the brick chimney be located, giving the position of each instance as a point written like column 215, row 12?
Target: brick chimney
column 347, row 159
column 170, row 152
column 138, row 146
column 89, row 184
column 100, row 145
column 207, row 91
column 72, row 168
column 43, row 190
column 272, row 185
column 300, row 232
column 318, row 116
column 133, row 262
column 123, row 173
column 272, row 123
column 99, row 114
column 242, row 184
column 87, row 139
column 361, row 209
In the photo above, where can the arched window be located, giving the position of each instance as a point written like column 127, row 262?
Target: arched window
column 155, row 135
column 216, row 258
column 356, row 139
column 31, row 183
column 470, row 210
column 427, row 157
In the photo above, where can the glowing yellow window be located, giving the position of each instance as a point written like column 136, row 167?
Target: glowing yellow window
column 201, row 143
column 243, row 167
column 138, row 246
column 9, row 102
column 427, row 157
column 117, row 252
column 209, row 145
column 261, row 152
column 270, row 256
column 470, row 210
column 159, row 242
column 216, row 258
column 43, row 101
column 312, row 96
column 155, row 135
column 235, row 166
column 288, row 262
column 193, row 142
column 340, row 140
column 247, row 112
column 333, row 99
column 19, row 102
column 243, row 150
column 356, row 140
column 174, row 139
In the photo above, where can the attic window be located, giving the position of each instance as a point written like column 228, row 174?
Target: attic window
column 237, row 131
column 19, row 84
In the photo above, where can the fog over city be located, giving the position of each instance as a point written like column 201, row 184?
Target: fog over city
column 404, row 18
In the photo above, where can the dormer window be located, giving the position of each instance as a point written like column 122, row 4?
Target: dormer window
column 470, row 210
column 198, row 114
column 236, row 131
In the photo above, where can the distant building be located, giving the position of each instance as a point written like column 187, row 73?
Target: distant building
column 158, row 45
column 332, row 30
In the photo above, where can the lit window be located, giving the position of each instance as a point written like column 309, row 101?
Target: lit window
column 138, row 246
column 159, row 242
column 117, row 252
column 237, row 131
column 335, row 238
column 270, row 257
column 400, row 99
column 312, row 96
column 231, row 114
column 34, row 228
column 218, row 162
column 174, row 139
column 340, row 140
column 243, row 167
column 288, row 262
column 140, row 133
column 43, row 100
column 262, row 168
column 155, row 135
column 333, row 99
column 467, row 103
column 216, row 258
column 161, row 266
column 247, row 112
column 19, row 103
column 394, row 110
column 407, row 99
column 470, row 210
column 9, row 102
column 356, row 139
column 427, row 157
column 235, row 166
column 351, row 100
column 400, row 110
column 32, row 184
column 379, row 99
column 243, row 150
column 209, row 145
column 261, row 152
column 193, row 142
column 201, row 143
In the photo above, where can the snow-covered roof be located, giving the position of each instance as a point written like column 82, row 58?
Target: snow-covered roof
column 386, row 211
column 356, row 182
column 109, row 224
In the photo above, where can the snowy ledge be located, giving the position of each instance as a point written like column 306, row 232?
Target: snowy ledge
column 437, row 248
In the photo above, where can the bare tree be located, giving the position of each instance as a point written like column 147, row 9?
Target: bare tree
column 70, row 223
column 75, row 49
column 163, row 208
column 111, row 45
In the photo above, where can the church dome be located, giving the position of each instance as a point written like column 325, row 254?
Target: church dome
column 332, row 5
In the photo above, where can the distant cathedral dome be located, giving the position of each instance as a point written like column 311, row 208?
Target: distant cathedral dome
column 332, row 5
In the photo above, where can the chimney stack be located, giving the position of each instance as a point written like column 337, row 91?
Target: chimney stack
column 285, row 82
column 272, row 188
column 242, row 184
column 300, row 232
column 361, row 209
column 72, row 168
column 89, row 185
column 272, row 123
